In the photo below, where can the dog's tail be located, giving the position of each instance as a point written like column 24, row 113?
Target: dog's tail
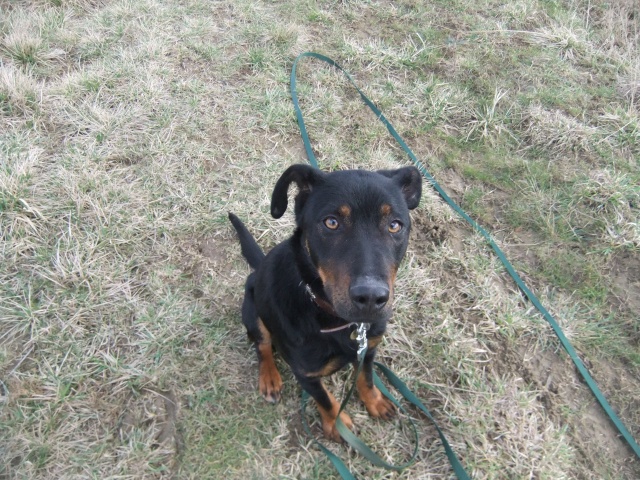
column 250, row 248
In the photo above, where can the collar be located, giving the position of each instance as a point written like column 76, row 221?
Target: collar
column 328, row 308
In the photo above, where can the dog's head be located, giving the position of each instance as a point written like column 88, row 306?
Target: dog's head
column 354, row 228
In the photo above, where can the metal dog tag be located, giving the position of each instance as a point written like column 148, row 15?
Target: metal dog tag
column 361, row 337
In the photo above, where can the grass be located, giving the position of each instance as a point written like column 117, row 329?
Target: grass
column 128, row 130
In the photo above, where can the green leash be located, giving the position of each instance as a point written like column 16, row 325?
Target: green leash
column 532, row 298
column 357, row 444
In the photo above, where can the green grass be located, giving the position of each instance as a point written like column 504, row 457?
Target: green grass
column 128, row 130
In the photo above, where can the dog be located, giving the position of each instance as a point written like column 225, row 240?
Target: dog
column 309, row 294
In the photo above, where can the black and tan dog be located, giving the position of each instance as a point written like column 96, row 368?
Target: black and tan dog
column 307, row 296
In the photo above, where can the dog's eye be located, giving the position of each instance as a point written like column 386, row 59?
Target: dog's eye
column 395, row 226
column 331, row 223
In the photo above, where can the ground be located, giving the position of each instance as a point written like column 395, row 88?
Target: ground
column 128, row 130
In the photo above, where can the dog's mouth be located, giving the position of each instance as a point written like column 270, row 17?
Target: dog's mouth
column 353, row 314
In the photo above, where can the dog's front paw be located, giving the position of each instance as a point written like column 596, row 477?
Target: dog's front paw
column 270, row 382
column 377, row 404
column 380, row 407
column 330, row 430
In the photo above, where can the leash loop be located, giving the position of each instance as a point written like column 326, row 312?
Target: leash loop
column 343, row 430
column 351, row 438
column 510, row 269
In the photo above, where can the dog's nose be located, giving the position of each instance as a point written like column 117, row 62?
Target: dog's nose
column 369, row 294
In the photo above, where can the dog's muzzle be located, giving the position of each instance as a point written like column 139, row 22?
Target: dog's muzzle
column 369, row 294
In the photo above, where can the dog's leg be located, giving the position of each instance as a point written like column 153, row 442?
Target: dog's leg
column 328, row 406
column 269, row 381
column 377, row 404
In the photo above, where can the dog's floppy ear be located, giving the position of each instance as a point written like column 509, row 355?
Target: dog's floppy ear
column 410, row 182
column 305, row 177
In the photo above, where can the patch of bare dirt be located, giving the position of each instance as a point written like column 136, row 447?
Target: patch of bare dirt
column 206, row 255
column 520, row 247
column 425, row 230
column 296, row 432
column 205, row 263
column 453, row 184
column 153, row 415
column 295, row 150
column 562, row 391
column 625, row 278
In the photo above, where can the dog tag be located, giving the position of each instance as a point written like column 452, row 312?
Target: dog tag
column 361, row 337
column 354, row 335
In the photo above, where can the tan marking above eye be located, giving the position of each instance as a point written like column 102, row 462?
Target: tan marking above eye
column 345, row 210
column 385, row 210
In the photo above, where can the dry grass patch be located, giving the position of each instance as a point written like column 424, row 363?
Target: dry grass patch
column 488, row 122
column 628, row 84
column 615, row 196
column 128, row 130
column 18, row 92
column 557, row 132
column 570, row 42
